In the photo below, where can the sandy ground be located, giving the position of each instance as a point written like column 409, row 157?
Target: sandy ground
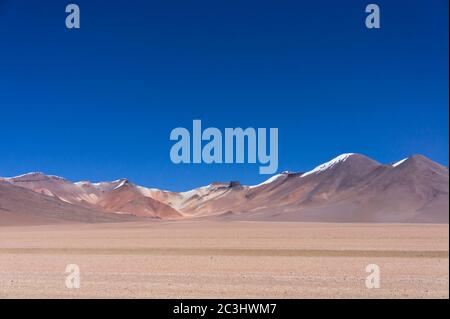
column 225, row 260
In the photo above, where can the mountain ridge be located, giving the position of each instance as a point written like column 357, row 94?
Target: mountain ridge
column 349, row 188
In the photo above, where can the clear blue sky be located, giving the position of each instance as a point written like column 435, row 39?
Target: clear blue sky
column 99, row 103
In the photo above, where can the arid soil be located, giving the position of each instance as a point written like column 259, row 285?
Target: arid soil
column 205, row 259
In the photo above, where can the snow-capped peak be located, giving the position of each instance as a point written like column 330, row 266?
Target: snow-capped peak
column 270, row 180
column 399, row 162
column 328, row 165
column 24, row 175
column 122, row 182
column 34, row 175
column 81, row 183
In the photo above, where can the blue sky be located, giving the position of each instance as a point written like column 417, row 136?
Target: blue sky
column 99, row 103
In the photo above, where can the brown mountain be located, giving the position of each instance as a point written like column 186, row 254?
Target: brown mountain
column 349, row 188
column 126, row 198
column 354, row 188
column 120, row 197
column 20, row 206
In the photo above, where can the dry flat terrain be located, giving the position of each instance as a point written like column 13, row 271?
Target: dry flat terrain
column 225, row 260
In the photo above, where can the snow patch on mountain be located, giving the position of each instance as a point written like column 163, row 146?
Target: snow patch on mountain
column 122, row 182
column 323, row 167
column 270, row 180
column 399, row 162
column 34, row 175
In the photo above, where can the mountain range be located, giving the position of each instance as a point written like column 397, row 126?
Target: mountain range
column 349, row 188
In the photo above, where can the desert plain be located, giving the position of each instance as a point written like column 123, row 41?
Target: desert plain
column 234, row 259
